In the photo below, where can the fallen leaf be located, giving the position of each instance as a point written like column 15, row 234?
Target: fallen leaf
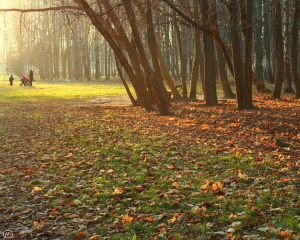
column 127, row 219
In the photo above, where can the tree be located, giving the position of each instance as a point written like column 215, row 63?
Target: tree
column 142, row 47
column 294, row 52
column 279, row 51
column 209, row 60
column 236, row 53
column 247, row 18
column 197, row 58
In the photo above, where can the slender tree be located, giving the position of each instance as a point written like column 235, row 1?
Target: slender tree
column 294, row 52
column 278, row 51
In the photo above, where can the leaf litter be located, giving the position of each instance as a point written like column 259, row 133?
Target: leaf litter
column 102, row 172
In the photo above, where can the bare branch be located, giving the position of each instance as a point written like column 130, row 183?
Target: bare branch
column 60, row 8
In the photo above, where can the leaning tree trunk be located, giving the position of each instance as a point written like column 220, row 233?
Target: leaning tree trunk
column 132, row 99
column 221, row 61
column 162, row 64
column 141, row 92
column 156, row 88
column 223, row 74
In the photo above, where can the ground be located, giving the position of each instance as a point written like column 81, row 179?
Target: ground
column 122, row 100
column 83, row 170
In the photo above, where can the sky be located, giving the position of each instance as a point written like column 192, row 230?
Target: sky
column 4, row 27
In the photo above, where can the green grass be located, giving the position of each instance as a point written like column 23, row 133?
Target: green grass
column 51, row 91
column 148, row 188
column 110, row 169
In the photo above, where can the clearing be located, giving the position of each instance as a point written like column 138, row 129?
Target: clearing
column 71, row 170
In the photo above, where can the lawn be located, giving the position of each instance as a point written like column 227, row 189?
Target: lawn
column 101, row 172
column 42, row 90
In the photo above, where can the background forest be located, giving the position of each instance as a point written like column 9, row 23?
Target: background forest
column 73, row 166
column 155, row 42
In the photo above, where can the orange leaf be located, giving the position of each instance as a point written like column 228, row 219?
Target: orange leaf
column 205, row 127
column 127, row 219
column 149, row 219
column 176, row 185
column 80, row 235
column 29, row 170
column 109, row 171
column 37, row 189
column 170, row 166
column 232, row 216
column 118, row 191
column 174, row 218
column 217, row 186
column 285, row 234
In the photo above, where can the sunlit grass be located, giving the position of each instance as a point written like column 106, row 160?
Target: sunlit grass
column 60, row 90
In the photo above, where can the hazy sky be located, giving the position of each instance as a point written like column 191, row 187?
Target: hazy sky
column 4, row 26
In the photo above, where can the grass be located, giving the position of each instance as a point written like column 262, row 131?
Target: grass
column 58, row 91
column 145, row 180
column 118, row 174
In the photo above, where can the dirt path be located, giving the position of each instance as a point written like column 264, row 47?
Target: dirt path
column 122, row 100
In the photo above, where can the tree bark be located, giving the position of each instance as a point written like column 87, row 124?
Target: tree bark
column 132, row 99
column 247, row 12
column 279, row 52
column 196, row 63
column 286, row 48
column 140, row 91
column 294, row 52
column 156, row 88
column 182, row 59
column 236, row 53
column 220, row 60
column 209, row 61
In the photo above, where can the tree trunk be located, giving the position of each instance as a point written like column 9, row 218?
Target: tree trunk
column 258, row 43
column 267, row 47
column 156, row 88
column 294, row 52
column 196, row 63
column 133, row 101
column 279, row 52
column 222, row 73
column 286, row 42
column 247, row 12
column 236, row 53
column 97, row 60
column 182, row 59
column 209, row 61
column 139, row 88
column 221, row 61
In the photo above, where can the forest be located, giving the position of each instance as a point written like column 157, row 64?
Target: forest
column 201, row 142
column 239, row 44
